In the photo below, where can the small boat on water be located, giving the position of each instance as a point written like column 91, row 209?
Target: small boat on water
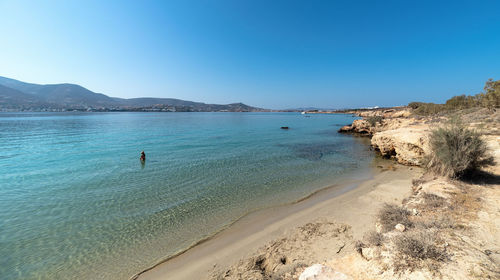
column 284, row 127
column 303, row 113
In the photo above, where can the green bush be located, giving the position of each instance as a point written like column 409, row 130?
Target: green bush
column 374, row 120
column 430, row 109
column 422, row 108
column 456, row 151
column 415, row 105
column 462, row 102
column 489, row 98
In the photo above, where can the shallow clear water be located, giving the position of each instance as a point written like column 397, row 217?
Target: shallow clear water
column 76, row 203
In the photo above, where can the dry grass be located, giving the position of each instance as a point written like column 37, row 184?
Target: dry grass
column 417, row 182
column 465, row 203
column 432, row 227
column 390, row 215
column 374, row 238
column 441, row 221
column 436, row 213
column 417, row 249
column 432, row 201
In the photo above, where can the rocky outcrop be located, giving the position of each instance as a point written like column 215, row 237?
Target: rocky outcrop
column 387, row 113
column 404, row 137
column 406, row 145
column 398, row 114
column 395, row 134
column 361, row 127
column 387, row 119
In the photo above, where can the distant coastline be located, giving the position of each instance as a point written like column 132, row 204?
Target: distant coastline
column 163, row 109
column 18, row 96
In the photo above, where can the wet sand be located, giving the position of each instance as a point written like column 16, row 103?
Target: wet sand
column 354, row 203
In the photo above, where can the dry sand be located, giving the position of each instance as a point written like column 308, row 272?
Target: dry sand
column 346, row 211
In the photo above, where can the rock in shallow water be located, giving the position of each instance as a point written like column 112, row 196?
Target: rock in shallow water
column 361, row 127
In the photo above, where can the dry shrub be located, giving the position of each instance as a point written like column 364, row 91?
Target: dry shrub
column 417, row 182
column 440, row 222
column 416, row 249
column 433, row 201
column 374, row 238
column 391, row 214
column 457, row 151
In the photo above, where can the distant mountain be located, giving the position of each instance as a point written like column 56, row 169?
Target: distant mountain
column 17, row 95
column 66, row 95
column 15, row 99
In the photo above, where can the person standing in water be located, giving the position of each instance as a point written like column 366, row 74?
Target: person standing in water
column 143, row 156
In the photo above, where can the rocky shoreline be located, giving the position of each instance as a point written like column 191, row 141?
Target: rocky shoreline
column 394, row 133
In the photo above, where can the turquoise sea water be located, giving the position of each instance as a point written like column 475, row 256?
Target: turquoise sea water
column 76, row 203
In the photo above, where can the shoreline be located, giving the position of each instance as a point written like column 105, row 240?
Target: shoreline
column 252, row 231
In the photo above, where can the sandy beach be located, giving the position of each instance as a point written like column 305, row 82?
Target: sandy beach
column 352, row 205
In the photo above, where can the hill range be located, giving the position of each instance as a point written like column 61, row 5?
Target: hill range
column 21, row 96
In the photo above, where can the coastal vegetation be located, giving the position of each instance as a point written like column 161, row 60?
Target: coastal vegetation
column 489, row 98
column 416, row 249
column 375, row 238
column 391, row 214
column 456, row 151
column 432, row 231
column 373, row 120
column 415, row 236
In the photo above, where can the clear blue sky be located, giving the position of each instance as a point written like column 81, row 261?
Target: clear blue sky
column 273, row 54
